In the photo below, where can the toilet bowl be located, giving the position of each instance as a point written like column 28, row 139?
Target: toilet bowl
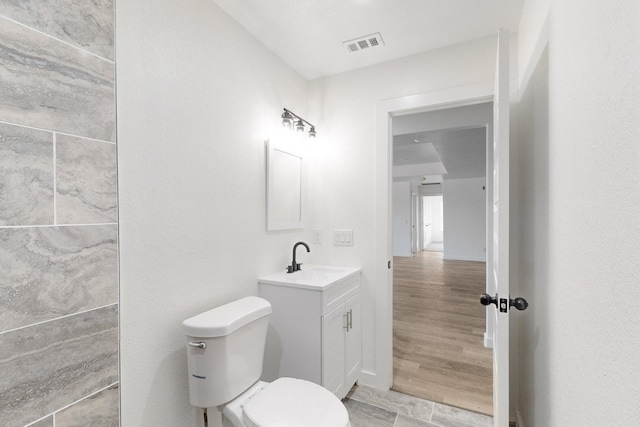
column 225, row 351
column 286, row 402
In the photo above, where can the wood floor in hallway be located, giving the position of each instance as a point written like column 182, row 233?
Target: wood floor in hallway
column 438, row 327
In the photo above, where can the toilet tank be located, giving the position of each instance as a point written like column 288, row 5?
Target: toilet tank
column 225, row 350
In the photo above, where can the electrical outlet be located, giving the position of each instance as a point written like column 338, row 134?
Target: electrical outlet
column 317, row 236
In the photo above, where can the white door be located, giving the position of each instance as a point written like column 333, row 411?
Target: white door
column 415, row 233
column 353, row 340
column 500, row 264
column 427, row 222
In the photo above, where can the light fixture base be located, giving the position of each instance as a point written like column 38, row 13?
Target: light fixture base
column 288, row 118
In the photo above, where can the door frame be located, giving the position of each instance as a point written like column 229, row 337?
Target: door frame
column 415, row 224
column 386, row 110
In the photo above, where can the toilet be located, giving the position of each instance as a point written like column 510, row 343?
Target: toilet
column 225, row 351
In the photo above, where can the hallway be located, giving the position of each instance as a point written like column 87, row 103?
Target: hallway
column 438, row 351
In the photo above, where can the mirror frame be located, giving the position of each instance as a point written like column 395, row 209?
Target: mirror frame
column 277, row 187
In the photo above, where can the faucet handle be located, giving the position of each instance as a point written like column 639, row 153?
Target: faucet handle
column 294, row 267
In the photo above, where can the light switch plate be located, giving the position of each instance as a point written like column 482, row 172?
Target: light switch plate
column 342, row 237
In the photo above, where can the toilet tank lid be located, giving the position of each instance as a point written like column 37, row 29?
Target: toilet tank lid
column 225, row 319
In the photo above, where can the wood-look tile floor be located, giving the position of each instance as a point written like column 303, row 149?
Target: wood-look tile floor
column 438, row 327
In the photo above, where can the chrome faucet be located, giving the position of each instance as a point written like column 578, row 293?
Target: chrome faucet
column 294, row 265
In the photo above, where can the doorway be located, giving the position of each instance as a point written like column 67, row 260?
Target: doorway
column 432, row 224
column 440, row 157
column 382, row 377
column 438, row 332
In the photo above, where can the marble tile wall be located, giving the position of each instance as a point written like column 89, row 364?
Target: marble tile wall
column 48, row 272
column 87, row 26
column 58, row 214
column 26, row 161
column 46, row 422
column 101, row 409
column 83, row 348
column 85, row 181
column 51, row 85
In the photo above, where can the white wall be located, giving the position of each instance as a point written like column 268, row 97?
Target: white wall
column 345, row 187
column 464, row 219
column 196, row 96
column 402, row 218
column 577, row 173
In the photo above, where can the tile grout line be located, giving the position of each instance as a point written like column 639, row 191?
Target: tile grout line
column 54, row 413
column 58, row 132
column 57, row 225
column 55, row 182
column 58, row 40
column 38, row 420
column 58, row 318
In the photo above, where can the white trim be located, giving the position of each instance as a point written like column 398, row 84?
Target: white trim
column 457, row 96
column 534, row 58
column 368, row 378
column 488, row 340
column 464, row 258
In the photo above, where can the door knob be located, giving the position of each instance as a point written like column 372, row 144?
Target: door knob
column 519, row 303
column 486, row 299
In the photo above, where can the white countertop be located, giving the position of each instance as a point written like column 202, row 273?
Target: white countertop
column 311, row 276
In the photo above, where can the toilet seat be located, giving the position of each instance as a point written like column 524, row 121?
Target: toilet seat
column 290, row 402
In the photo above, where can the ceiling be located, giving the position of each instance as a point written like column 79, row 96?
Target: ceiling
column 308, row 34
column 454, row 153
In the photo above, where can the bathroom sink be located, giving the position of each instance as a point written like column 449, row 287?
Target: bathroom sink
column 311, row 276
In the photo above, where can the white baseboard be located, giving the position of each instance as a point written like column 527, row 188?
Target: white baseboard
column 370, row 379
column 488, row 341
column 465, row 258
column 403, row 255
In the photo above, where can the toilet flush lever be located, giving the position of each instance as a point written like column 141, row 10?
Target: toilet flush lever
column 198, row 344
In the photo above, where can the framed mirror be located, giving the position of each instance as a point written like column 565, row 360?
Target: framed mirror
column 284, row 187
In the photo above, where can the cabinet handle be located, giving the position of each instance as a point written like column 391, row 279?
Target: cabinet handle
column 350, row 320
column 346, row 318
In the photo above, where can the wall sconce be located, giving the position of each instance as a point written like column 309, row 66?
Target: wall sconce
column 288, row 118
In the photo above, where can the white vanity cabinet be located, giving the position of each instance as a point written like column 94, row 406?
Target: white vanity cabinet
column 315, row 330
column 341, row 347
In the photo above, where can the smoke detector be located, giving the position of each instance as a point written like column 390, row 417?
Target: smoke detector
column 362, row 43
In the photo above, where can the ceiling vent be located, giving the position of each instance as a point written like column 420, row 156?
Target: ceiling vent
column 362, row 43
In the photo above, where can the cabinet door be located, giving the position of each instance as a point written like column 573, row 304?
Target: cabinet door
column 333, row 350
column 353, row 340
